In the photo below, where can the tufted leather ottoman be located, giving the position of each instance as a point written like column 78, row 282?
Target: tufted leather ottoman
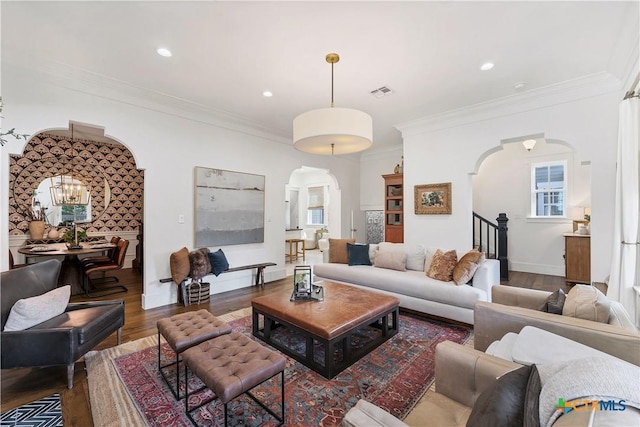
column 185, row 330
column 231, row 365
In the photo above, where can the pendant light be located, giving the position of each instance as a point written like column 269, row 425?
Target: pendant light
column 68, row 188
column 333, row 130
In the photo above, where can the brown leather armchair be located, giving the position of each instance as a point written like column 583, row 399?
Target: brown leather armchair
column 58, row 341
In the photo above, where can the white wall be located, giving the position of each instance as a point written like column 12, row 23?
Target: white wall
column 450, row 148
column 503, row 184
column 168, row 141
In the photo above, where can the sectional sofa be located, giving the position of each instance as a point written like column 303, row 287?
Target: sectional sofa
column 406, row 279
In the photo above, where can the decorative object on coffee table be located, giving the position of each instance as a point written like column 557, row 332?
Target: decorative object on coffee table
column 432, row 198
column 303, row 289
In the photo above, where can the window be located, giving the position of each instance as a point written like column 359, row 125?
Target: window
column 548, row 189
column 315, row 214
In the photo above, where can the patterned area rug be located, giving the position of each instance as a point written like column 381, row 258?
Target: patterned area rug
column 394, row 376
column 46, row 412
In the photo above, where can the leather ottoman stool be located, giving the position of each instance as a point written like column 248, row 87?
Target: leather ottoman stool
column 185, row 330
column 231, row 365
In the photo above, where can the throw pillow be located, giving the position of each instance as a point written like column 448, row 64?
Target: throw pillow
column 502, row 403
column 532, row 399
column 28, row 312
column 338, row 250
column 554, row 302
column 586, row 302
column 391, row 260
column 218, row 262
column 179, row 264
column 442, row 265
column 467, row 266
column 199, row 263
column 358, row 254
column 415, row 253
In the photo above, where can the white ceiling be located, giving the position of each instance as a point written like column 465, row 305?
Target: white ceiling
column 225, row 54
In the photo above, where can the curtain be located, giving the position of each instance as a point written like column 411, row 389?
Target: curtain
column 624, row 262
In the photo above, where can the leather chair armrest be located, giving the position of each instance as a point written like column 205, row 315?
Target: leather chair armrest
column 492, row 321
column 462, row 373
column 521, row 297
column 88, row 304
column 19, row 347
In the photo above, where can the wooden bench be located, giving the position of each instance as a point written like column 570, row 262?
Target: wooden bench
column 259, row 272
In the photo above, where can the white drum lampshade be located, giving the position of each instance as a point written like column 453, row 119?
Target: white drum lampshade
column 333, row 131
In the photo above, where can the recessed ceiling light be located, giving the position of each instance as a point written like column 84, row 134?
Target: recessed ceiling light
column 267, row 94
column 486, row 66
column 162, row 51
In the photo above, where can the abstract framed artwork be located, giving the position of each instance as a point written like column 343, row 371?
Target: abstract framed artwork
column 229, row 207
column 432, row 199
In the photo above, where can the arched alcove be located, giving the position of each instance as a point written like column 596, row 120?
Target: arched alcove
column 501, row 182
column 117, row 186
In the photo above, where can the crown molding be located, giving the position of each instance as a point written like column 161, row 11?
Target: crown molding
column 381, row 153
column 98, row 85
column 560, row 93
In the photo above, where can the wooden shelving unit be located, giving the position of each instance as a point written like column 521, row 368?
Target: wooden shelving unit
column 394, row 208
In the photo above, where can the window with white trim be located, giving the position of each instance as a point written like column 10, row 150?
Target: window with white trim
column 315, row 213
column 548, row 189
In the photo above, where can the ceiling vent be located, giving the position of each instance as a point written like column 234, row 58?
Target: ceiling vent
column 381, row 91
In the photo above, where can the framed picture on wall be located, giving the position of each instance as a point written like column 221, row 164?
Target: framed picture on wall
column 229, row 207
column 432, row 199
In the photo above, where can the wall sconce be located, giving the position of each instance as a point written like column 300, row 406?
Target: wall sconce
column 529, row 144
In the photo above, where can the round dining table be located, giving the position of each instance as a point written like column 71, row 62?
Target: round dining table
column 71, row 272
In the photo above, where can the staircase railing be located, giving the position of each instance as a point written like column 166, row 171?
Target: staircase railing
column 491, row 239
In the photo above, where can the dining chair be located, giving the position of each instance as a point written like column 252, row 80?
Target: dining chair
column 12, row 263
column 110, row 257
column 92, row 285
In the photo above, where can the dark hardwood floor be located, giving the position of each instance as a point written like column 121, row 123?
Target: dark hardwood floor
column 20, row 386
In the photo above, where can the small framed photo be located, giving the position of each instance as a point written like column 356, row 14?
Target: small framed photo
column 432, row 199
column 302, row 280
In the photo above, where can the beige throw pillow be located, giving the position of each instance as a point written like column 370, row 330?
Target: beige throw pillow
column 442, row 265
column 28, row 312
column 586, row 302
column 338, row 250
column 467, row 266
column 391, row 260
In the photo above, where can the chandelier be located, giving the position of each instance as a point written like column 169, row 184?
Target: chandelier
column 332, row 130
column 69, row 188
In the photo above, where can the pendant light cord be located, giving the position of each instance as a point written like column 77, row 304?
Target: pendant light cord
column 332, row 85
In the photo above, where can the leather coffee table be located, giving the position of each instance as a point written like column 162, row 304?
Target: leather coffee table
column 329, row 325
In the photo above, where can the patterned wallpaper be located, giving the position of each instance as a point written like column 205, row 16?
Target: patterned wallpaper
column 47, row 155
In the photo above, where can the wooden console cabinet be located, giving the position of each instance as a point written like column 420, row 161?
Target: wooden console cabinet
column 393, row 208
column 577, row 258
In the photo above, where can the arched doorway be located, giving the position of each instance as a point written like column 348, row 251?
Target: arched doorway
column 503, row 183
column 313, row 205
column 116, row 189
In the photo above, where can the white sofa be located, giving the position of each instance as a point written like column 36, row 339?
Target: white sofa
column 412, row 287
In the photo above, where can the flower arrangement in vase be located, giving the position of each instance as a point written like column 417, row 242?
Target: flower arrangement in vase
column 73, row 237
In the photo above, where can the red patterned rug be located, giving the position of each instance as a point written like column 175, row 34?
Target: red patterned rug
column 394, row 376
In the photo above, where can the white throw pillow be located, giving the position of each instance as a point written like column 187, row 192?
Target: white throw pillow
column 415, row 253
column 28, row 312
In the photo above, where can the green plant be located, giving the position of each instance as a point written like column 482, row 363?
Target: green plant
column 69, row 236
column 11, row 132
